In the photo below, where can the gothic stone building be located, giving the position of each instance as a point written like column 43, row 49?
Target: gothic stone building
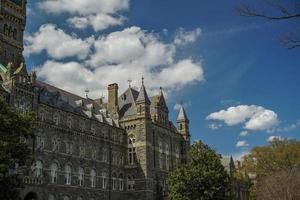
column 86, row 148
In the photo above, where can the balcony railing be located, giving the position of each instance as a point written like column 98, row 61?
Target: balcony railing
column 30, row 180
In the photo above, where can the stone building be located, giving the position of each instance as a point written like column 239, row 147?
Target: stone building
column 86, row 148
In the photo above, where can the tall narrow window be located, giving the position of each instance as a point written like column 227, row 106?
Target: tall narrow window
column 167, row 153
column 114, row 181
column 130, row 182
column 121, row 182
column 55, row 144
column 68, row 174
column 104, row 180
column 131, row 150
column 93, row 178
column 42, row 116
column 161, row 160
column 38, row 169
column 40, row 142
column 81, row 176
column 69, row 122
column 53, row 173
column 56, row 119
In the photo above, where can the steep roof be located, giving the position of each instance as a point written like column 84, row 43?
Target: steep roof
column 143, row 96
column 182, row 115
column 127, row 101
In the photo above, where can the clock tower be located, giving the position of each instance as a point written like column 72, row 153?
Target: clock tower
column 12, row 25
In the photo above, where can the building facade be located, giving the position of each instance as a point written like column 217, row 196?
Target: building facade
column 88, row 149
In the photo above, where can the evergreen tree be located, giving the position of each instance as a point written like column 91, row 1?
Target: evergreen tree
column 14, row 152
column 202, row 178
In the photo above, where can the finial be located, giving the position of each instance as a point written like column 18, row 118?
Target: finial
column 143, row 80
column 87, row 93
column 129, row 82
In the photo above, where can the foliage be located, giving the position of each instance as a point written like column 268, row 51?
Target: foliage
column 273, row 169
column 202, row 178
column 13, row 152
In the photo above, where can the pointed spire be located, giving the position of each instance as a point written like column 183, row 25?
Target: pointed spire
column 143, row 96
column 182, row 114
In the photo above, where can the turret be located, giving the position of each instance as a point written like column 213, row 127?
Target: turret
column 183, row 124
column 142, row 102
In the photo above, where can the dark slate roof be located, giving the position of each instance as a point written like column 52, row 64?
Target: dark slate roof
column 143, row 96
column 67, row 101
column 127, row 101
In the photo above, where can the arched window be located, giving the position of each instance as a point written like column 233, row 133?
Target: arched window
column 105, row 155
column 53, row 173
column 82, row 125
column 15, row 34
column 68, row 175
column 130, row 182
column 38, row 169
column 56, row 119
column 104, row 180
column 114, row 181
column 51, row 197
column 121, row 182
column 81, row 176
column 40, row 142
column 131, row 150
column 93, row 178
column 55, row 144
column 69, row 147
column 69, row 122
column 5, row 29
column 161, row 159
column 167, row 153
column 42, row 116
column 10, row 31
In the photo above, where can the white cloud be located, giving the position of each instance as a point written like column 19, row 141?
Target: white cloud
column 57, row 43
column 185, row 105
column 275, row 138
column 98, row 22
column 254, row 117
column 242, row 143
column 184, row 37
column 215, row 126
column 100, row 14
column 244, row 133
column 119, row 56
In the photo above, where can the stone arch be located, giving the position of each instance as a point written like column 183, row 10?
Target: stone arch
column 31, row 196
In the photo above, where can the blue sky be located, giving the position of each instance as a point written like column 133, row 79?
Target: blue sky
column 201, row 52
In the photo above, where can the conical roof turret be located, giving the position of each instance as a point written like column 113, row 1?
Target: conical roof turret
column 182, row 114
column 143, row 96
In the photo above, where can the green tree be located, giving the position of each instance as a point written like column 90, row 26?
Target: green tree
column 202, row 178
column 14, row 152
column 274, row 170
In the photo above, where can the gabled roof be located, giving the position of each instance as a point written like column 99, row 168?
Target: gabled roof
column 127, row 101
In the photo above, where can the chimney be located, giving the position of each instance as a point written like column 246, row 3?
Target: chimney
column 113, row 98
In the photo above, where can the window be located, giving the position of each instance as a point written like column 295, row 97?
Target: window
column 131, row 150
column 130, row 183
column 93, row 129
column 114, row 181
column 42, row 116
column 5, row 29
column 177, row 155
column 66, row 198
column 121, row 182
column 81, row 125
column 56, row 119
column 94, row 153
column 53, row 173
column 37, row 169
column 105, row 155
column 69, row 122
column 167, row 153
column 40, row 142
column 69, row 147
column 81, row 151
column 81, row 176
column 161, row 159
column 15, row 34
column 51, row 197
column 55, row 144
column 93, row 178
column 68, row 174
column 104, row 180
column 80, row 198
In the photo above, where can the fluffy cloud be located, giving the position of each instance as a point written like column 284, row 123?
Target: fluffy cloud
column 215, row 126
column 57, row 43
column 254, row 117
column 100, row 14
column 184, row 37
column 242, row 143
column 244, row 133
column 275, row 138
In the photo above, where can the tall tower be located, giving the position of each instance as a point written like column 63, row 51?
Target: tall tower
column 12, row 26
column 183, row 125
column 143, row 103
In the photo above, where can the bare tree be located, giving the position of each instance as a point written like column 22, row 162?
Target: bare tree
column 281, row 185
column 277, row 10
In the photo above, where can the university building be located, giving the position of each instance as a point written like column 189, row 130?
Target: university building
column 88, row 149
